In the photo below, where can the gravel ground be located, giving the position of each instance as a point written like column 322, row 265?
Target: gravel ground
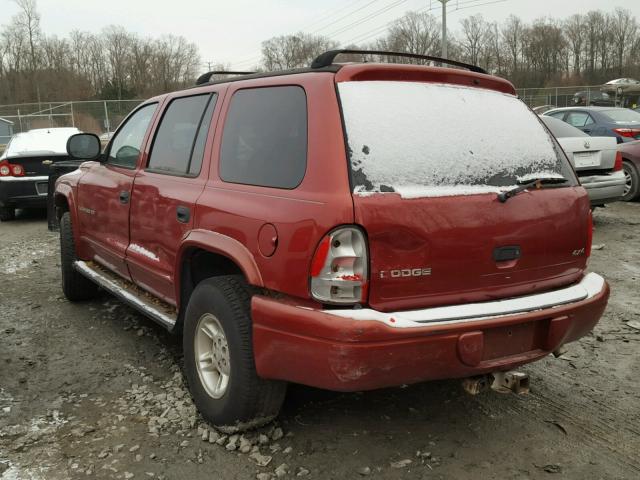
column 94, row 390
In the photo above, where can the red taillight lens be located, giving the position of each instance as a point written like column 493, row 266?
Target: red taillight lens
column 10, row 170
column 589, row 235
column 339, row 268
column 17, row 170
column 627, row 132
column 617, row 166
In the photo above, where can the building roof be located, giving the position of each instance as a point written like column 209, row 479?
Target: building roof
column 6, row 121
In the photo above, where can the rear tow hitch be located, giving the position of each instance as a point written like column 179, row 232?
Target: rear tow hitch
column 502, row 382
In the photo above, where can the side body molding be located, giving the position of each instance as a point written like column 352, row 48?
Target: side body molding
column 221, row 244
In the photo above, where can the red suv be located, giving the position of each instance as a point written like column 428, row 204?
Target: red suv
column 344, row 226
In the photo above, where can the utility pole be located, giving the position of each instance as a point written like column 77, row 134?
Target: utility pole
column 444, row 28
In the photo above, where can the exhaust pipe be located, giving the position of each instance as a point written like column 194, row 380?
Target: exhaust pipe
column 502, row 382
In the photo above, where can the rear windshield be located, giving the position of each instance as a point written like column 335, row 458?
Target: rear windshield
column 561, row 129
column 424, row 139
column 622, row 115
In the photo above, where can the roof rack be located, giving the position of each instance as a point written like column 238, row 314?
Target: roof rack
column 325, row 59
column 205, row 77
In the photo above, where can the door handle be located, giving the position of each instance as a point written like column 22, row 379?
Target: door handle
column 183, row 214
column 124, row 196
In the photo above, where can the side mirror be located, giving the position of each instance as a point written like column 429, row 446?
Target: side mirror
column 83, row 146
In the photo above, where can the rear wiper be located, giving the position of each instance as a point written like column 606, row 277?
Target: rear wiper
column 537, row 183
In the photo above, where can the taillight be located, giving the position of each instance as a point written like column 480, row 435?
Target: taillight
column 618, row 164
column 589, row 235
column 627, row 132
column 8, row 169
column 339, row 268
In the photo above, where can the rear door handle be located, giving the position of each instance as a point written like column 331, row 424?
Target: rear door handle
column 124, row 197
column 183, row 214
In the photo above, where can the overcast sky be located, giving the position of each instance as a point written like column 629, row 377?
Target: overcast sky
column 231, row 31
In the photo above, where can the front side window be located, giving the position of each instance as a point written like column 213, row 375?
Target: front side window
column 127, row 142
column 178, row 146
column 265, row 138
column 426, row 139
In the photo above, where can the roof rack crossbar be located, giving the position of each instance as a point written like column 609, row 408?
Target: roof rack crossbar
column 205, row 77
column 325, row 59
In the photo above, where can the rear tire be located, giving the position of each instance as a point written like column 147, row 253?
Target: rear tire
column 632, row 178
column 218, row 358
column 7, row 214
column 75, row 286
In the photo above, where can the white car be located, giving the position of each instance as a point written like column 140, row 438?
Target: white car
column 595, row 159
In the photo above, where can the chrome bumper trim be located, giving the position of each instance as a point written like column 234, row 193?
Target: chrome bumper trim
column 591, row 285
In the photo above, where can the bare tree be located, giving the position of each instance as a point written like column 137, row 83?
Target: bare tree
column 294, row 51
column 624, row 29
column 413, row 33
column 475, row 32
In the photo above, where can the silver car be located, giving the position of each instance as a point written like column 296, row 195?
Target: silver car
column 595, row 159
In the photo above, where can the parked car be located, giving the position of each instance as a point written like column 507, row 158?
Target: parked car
column 596, row 160
column 631, row 166
column 543, row 108
column 328, row 226
column 594, row 97
column 24, row 167
column 621, row 123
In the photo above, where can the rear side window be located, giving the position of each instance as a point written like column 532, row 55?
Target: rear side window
column 579, row 119
column 425, row 139
column 265, row 138
column 179, row 143
column 622, row 115
column 561, row 129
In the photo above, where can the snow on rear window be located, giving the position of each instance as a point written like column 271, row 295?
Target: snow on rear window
column 422, row 139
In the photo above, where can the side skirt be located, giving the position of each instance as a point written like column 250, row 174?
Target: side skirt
column 130, row 294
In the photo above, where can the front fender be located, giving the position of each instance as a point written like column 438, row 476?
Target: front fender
column 220, row 244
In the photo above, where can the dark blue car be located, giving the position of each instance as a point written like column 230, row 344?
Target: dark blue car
column 621, row 123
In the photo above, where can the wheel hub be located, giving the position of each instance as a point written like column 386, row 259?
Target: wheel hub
column 627, row 182
column 212, row 355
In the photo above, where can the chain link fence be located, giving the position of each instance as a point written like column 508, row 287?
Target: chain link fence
column 100, row 117
column 578, row 96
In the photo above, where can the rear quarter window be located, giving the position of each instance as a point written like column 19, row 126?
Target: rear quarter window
column 264, row 141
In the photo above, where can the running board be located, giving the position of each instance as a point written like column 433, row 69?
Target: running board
column 145, row 303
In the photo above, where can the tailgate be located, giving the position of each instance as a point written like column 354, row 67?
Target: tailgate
column 438, row 251
column 427, row 164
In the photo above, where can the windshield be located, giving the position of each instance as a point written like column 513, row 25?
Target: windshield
column 622, row 115
column 561, row 129
column 425, row 139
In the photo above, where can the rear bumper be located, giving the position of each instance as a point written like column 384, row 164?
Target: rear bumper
column 351, row 350
column 23, row 191
column 603, row 188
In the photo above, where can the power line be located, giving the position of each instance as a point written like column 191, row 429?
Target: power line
column 345, row 16
column 331, row 13
column 364, row 36
column 323, row 17
column 378, row 30
column 367, row 18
